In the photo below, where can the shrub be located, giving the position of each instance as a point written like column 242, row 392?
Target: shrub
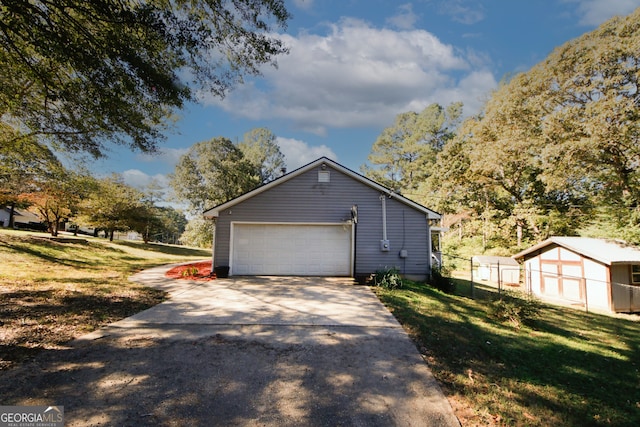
column 517, row 309
column 439, row 281
column 190, row 272
column 388, row 278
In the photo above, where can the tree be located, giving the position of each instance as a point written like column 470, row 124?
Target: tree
column 165, row 225
column 198, row 233
column 261, row 150
column 591, row 125
column 404, row 154
column 24, row 165
column 58, row 198
column 114, row 206
column 212, row 172
column 81, row 73
column 556, row 142
column 494, row 167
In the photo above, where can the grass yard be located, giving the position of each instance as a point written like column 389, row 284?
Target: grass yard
column 566, row 368
column 52, row 292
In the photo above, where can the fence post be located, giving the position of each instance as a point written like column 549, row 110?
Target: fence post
column 473, row 289
column 499, row 281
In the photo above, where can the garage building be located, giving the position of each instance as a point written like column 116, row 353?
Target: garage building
column 323, row 219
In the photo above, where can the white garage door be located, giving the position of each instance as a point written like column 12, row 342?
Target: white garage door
column 291, row 249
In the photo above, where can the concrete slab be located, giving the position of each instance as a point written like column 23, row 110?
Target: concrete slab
column 242, row 351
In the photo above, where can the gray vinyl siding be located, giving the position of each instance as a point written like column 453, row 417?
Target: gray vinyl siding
column 302, row 199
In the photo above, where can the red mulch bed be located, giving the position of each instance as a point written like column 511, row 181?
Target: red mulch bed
column 186, row 271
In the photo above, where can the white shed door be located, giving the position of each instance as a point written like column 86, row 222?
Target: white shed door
column 291, row 249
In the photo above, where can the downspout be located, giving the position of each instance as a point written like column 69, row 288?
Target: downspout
column 429, row 249
column 384, row 243
column 354, row 221
column 384, row 217
column 213, row 248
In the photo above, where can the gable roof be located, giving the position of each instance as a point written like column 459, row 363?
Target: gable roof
column 603, row 250
column 214, row 212
column 493, row 260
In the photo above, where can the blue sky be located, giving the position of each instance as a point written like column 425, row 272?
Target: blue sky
column 355, row 64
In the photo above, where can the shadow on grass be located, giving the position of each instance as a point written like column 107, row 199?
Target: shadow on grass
column 38, row 319
column 567, row 368
column 49, row 251
column 164, row 249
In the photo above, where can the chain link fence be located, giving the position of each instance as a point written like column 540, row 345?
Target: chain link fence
column 571, row 290
column 497, row 278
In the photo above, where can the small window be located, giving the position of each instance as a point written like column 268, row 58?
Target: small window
column 323, row 176
column 635, row 274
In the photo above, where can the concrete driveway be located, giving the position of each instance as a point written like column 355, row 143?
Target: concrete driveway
column 268, row 351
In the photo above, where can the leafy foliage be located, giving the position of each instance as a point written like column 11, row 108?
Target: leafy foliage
column 58, row 197
column 24, row 165
column 261, row 150
column 440, row 281
column 516, row 309
column 403, row 155
column 388, row 278
column 211, row 173
column 81, row 73
column 112, row 206
column 198, row 233
column 553, row 144
column 215, row 171
column 166, row 224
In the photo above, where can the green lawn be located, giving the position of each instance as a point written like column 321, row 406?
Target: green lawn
column 566, row 368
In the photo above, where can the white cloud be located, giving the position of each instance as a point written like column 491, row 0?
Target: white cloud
column 473, row 88
column 356, row 75
column 298, row 153
column 595, row 12
column 405, row 19
column 138, row 179
column 463, row 11
column 169, row 156
column 303, row 4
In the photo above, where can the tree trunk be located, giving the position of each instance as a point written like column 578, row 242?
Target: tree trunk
column 519, row 232
column 111, row 235
column 12, row 214
column 53, row 229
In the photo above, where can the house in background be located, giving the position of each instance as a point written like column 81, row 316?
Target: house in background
column 322, row 220
column 21, row 219
column 595, row 273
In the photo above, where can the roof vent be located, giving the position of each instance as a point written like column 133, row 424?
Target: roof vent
column 324, row 176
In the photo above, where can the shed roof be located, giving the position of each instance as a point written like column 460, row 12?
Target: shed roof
column 214, row 212
column 491, row 259
column 605, row 251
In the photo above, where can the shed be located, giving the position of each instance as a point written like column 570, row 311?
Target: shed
column 596, row 273
column 498, row 269
column 322, row 219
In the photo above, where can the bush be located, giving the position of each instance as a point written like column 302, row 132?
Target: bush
column 517, row 309
column 439, row 281
column 190, row 272
column 388, row 278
